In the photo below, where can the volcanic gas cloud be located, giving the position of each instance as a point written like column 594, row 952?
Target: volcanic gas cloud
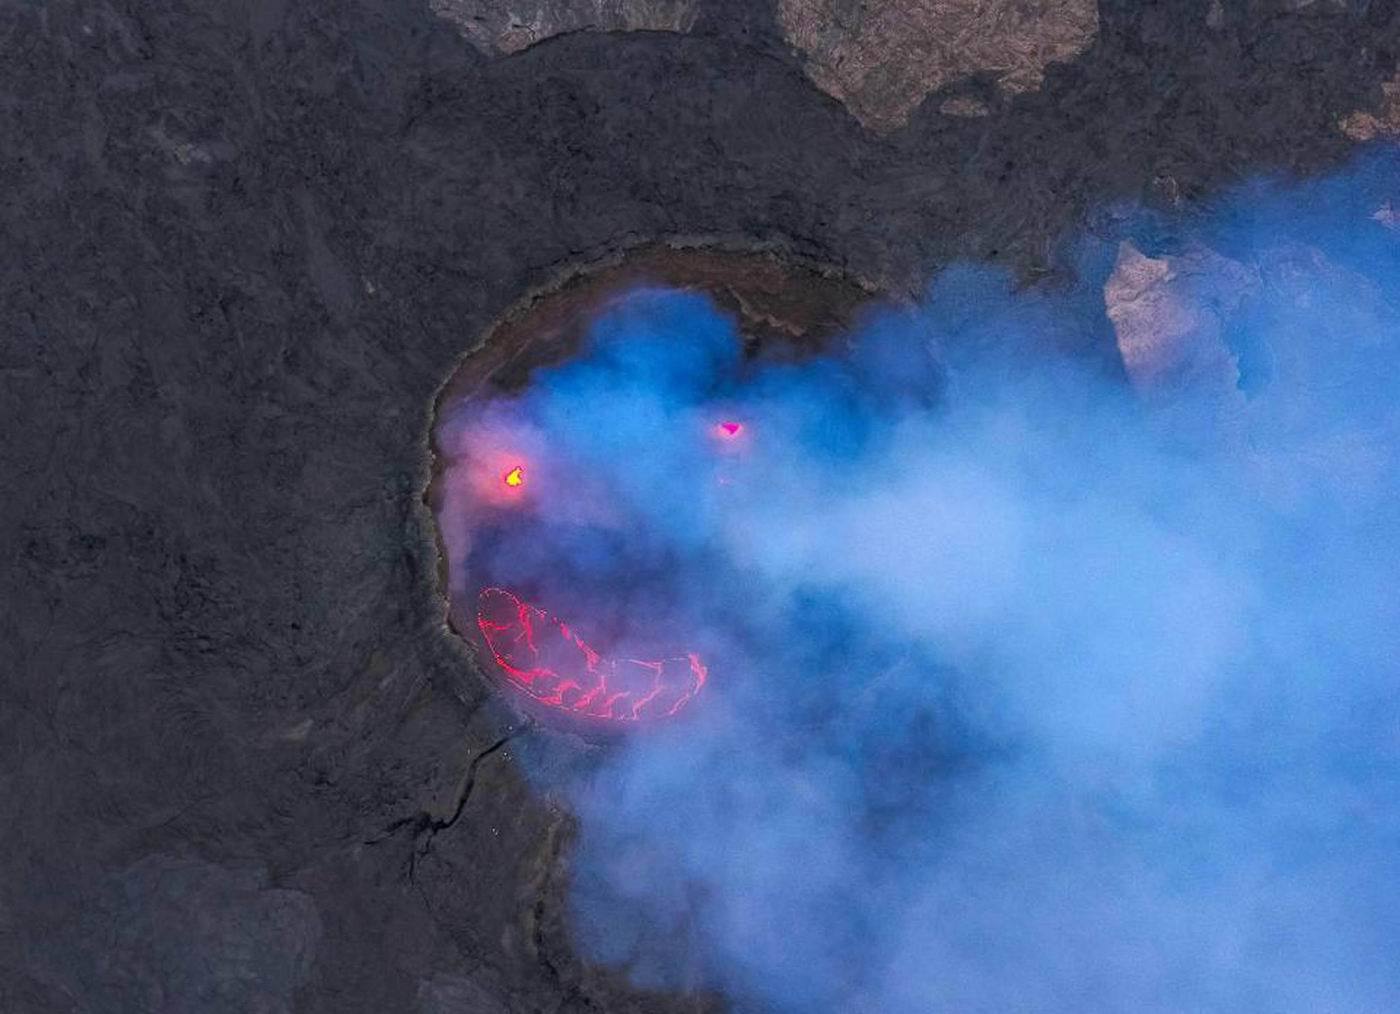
column 1030, row 688
column 550, row 542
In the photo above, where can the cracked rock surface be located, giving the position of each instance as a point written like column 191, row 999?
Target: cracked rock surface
column 1170, row 314
column 243, row 763
column 882, row 57
column 506, row 27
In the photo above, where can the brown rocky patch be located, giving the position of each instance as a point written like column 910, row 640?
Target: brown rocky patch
column 494, row 27
column 1382, row 121
column 882, row 57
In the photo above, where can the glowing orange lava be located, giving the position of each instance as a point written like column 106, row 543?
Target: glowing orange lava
column 543, row 658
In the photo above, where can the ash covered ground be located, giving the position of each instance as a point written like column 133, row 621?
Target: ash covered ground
column 244, row 764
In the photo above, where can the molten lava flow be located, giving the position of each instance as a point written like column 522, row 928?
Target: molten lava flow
column 545, row 659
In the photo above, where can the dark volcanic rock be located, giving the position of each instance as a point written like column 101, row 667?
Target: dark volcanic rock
column 243, row 764
column 181, row 934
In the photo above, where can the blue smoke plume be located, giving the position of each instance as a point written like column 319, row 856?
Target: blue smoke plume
column 1035, row 685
